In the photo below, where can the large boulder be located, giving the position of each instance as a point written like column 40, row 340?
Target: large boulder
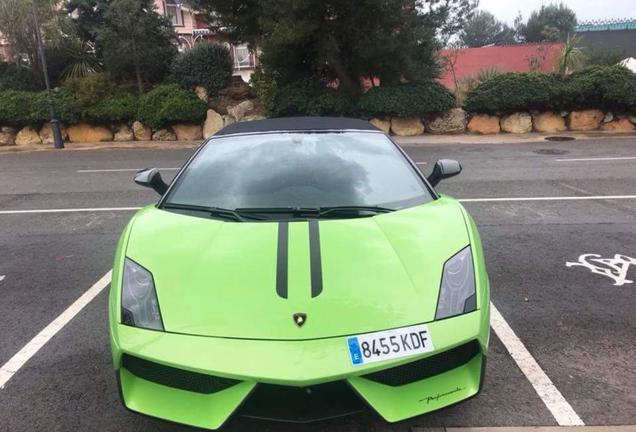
column 407, row 126
column 164, row 135
column 520, row 122
column 7, row 136
column 382, row 124
column 548, row 122
column 201, row 93
column 619, row 124
column 237, row 90
column 187, row 132
column 46, row 133
column 241, row 110
column 124, row 133
column 141, row 131
column 213, row 123
column 27, row 136
column 585, row 120
column 484, row 124
column 450, row 122
column 84, row 132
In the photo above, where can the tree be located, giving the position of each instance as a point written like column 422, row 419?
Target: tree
column 571, row 58
column 343, row 40
column 550, row 23
column 484, row 29
column 136, row 41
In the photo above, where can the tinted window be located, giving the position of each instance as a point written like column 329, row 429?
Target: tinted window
column 300, row 170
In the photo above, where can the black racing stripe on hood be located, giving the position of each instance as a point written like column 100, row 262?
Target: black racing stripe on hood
column 314, row 258
column 281, row 259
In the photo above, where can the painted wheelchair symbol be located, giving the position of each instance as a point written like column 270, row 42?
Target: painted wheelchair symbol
column 614, row 268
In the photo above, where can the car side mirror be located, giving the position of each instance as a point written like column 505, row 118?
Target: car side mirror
column 443, row 169
column 150, row 177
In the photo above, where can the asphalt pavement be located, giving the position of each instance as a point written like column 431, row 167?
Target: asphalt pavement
column 538, row 205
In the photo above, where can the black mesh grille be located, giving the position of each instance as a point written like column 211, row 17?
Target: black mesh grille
column 173, row 377
column 302, row 404
column 427, row 367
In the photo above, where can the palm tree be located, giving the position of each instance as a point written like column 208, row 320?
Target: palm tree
column 572, row 57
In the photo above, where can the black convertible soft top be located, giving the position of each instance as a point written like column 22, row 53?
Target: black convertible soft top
column 297, row 124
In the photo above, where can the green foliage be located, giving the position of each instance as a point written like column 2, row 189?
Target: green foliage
column 550, row 23
column 265, row 85
column 16, row 77
column 90, row 89
column 112, row 109
column 406, row 100
column 602, row 87
column 571, row 57
column 304, row 98
column 484, row 29
column 170, row 104
column 20, row 108
column 207, row 64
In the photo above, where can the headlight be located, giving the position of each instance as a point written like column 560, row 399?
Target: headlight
column 457, row 291
column 139, row 305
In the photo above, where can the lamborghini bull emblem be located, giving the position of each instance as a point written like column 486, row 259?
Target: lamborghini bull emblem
column 300, row 319
column 614, row 268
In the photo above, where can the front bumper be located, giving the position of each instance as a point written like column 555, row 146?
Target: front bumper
column 293, row 365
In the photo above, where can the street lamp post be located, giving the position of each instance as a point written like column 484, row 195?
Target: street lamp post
column 58, row 143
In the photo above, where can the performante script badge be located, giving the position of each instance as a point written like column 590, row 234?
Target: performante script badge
column 299, row 319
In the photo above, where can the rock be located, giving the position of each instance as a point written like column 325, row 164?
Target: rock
column 548, row 122
column 484, row 124
column 618, row 125
column 46, row 133
column 253, row 117
column 451, row 122
column 228, row 120
column 124, row 133
column 585, row 120
column 7, row 136
column 164, row 135
column 188, row 132
column 520, row 122
column 27, row 136
column 407, row 126
column 141, row 132
column 213, row 123
column 84, row 132
column 384, row 125
column 241, row 110
column 608, row 117
column 632, row 119
column 238, row 90
column 201, row 93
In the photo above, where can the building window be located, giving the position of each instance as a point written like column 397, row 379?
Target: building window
column 175, row 14
column 243, row 58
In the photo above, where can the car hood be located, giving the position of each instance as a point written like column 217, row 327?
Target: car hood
column 218, row 278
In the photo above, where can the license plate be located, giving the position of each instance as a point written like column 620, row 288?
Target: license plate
column 389, row 344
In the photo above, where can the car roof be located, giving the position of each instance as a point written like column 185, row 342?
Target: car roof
column 289, row 124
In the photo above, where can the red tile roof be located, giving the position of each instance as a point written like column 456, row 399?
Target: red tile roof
column 505, row 58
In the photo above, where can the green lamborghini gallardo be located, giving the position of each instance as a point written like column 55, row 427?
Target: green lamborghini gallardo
column 298, row 269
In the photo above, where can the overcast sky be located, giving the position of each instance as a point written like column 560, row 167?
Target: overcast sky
column 506, row 10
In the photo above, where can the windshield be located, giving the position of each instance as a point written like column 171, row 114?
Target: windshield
column 299, row 170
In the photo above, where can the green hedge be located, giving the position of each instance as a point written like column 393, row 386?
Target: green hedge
column 168, row 104
column 304, row 98
column 406, row 100
column 207, row 64
column 113, row 109
column 16, row 77
column 602, row 87
column 20, row 108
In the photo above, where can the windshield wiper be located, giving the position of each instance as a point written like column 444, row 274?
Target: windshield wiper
column 316, row 212
column 215, row 212
column 353, row 209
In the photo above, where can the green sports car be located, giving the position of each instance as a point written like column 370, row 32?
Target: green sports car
column 298, row 269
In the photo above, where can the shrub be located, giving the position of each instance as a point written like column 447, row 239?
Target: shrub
column 16, row 77
column 509, row 92
column 90, row 89
column 602, row 87
column 113, row 109
column 265, row 85
column 18, row 108
column 170, row 104
column 406, row 100
column 207, row 64
column 306, row 98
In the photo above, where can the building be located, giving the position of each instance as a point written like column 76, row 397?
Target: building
column 191, row 28
column 463, row 63
column 608, row 37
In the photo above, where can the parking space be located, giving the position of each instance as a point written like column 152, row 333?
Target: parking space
column 579, row 326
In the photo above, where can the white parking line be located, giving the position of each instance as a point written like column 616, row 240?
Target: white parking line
column 122, row 170
column 554, row 198
column 2, row 277
column 562, row 411
column 16, row 362
column 420, row 163
column 596, row 159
